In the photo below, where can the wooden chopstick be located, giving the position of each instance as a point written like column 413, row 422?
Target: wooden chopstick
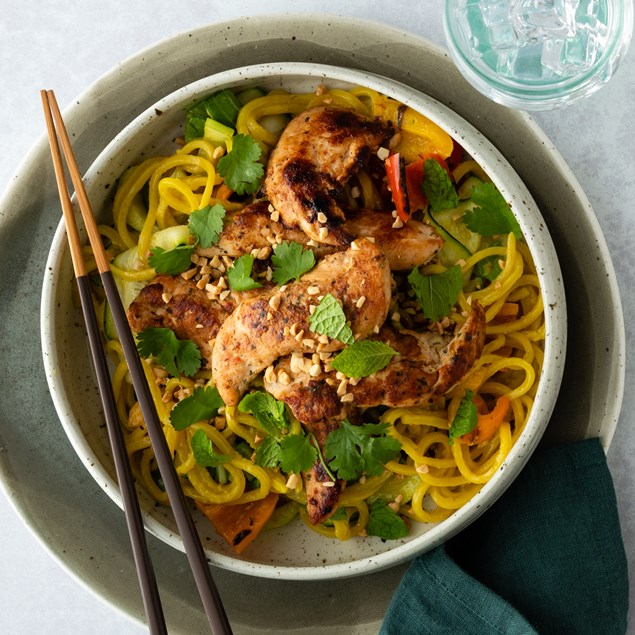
column 193, row 548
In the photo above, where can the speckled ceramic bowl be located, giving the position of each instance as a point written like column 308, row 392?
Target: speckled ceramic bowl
column 293, row 552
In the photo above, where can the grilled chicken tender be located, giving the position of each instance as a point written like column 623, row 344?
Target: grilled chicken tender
column 428, row 366
column 276, row 323
column 318, row 151
column 322, row 494
column 406, row 247
column 178, row 304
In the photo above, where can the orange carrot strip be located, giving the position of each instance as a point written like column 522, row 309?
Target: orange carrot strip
column 239, row 525
column 223, row 192
column 488, row 423
column 508, row 312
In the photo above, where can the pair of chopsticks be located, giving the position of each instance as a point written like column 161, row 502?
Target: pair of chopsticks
column 193, row 548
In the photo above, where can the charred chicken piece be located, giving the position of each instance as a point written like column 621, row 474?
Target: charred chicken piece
column 318, row 151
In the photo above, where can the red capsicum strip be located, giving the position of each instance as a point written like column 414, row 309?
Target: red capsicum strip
column 396, row 173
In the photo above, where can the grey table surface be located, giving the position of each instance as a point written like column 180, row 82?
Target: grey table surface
column 67, row 45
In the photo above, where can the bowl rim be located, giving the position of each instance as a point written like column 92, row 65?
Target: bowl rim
column 534, row 230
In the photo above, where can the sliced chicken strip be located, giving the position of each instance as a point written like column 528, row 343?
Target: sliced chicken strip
column 178, row 304
column 322, row 493
column 406, row 247
column 428, row 366
column 318, row 151
column 276, row 323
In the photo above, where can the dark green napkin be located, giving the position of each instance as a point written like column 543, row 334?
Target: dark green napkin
column 548, row 557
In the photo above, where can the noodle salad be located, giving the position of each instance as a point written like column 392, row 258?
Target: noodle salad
column 338, row 315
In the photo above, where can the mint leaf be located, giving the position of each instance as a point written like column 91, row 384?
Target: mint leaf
column 493, row 216
column 297, row 453
column 363, row 358
column 239, row 276
column 438, row 187
column 176, row 356
column 437, row 294
column 171, row 262
column 240, row 168
column 355, row 450
column 202, row 405
column 268, row 453
column 466, row 417
column 206, row 224
column 269, row 412
column 329, row 319
column 385, row 523
column 203, row 451
column 290, row 260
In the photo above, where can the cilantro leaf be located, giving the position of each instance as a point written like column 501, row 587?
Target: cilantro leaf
column 203, row 451
column 385, row 523
column 201, row 405
column 171, row 262
column 269, row 412
column 240, row 167
column 465, row 419
column 438, row 187
column 268, row 453
column 363, row 358
column 239, row 276
column 354, row 450
column 206, row 224
column 437, row 293
column 329, row 319
column 297, row 453
column 290, row 260
column 493, row 216
column 176, row 356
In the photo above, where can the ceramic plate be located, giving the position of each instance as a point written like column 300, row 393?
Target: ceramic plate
column 41, row 473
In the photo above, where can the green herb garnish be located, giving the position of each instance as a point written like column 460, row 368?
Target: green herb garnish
column 438, row 293
column 493, row 216
column 363, row 358
column 354, row 450
column 269, row 412
column 239, row 276
column 206, row 224
column 385, row 523
column 329, row 319
column 201, row 405
column 290, row 260
column 240, row 167
column 171, row 262
column 203, row 451
column 176, row 356
column 438, row 187
column 466, row 418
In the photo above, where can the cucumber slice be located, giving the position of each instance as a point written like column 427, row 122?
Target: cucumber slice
column 465, row 189
column 452, row 250
column 250, row 94
column 137, row 213
column 274, row 124
column 128, row 260
column 452, row 221
column 109, row 324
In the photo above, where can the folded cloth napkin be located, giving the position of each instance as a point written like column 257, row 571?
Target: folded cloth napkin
column 548, row 557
